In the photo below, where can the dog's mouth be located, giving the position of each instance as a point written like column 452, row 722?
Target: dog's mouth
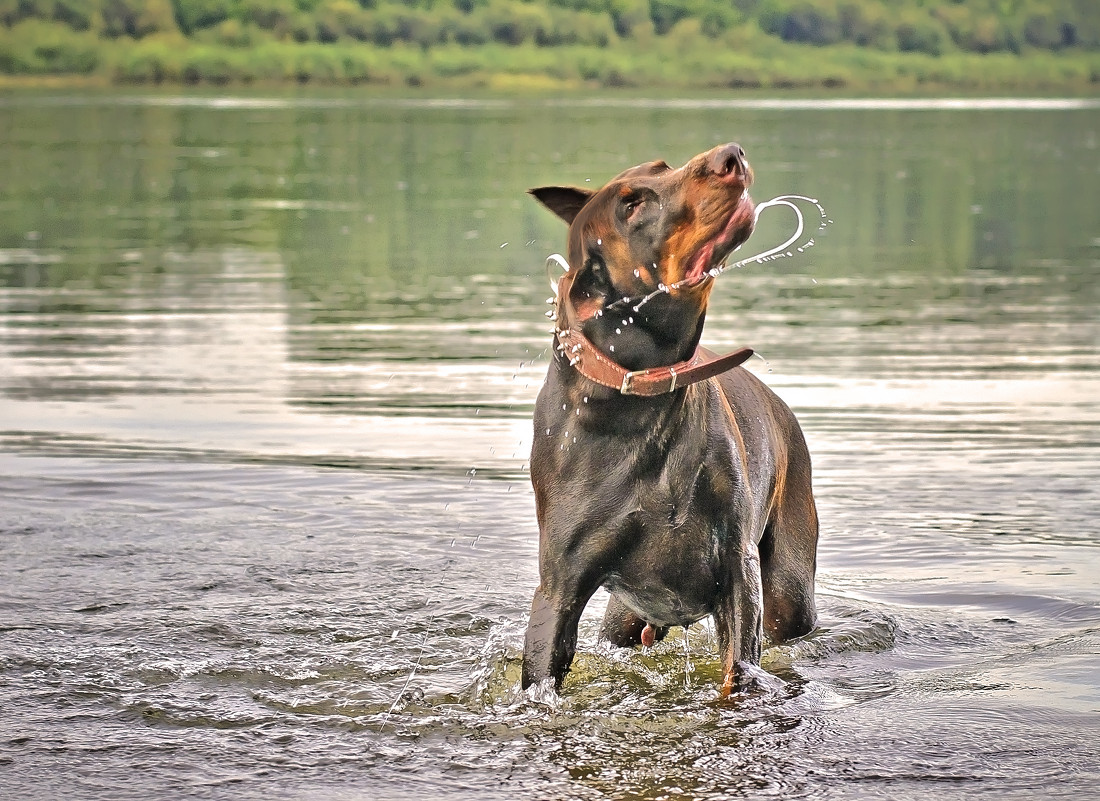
column 706, row 262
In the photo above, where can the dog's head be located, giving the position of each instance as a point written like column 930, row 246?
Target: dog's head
column 651, row 228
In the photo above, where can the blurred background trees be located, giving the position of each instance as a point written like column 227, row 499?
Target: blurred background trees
column 353, row 40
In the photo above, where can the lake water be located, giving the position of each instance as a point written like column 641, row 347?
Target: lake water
column 267, row 366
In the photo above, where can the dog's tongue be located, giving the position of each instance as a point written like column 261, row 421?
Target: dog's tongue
column 649, row 635
column 701, row 261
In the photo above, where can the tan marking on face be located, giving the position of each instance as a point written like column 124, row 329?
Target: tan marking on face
column 701, row 202
column 708, row 207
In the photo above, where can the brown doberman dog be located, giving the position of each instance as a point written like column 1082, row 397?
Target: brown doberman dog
column 673, row 478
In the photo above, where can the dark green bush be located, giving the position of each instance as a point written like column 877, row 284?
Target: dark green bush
column 920, row 33
column 208, row 65
column 803, row 21
column 714, row 17
column 78, row 14
column 576, row 28
column 630, row 17
column 37, row 47
column 270, row 15
column 146, row 65
column 192, row 15
column 867, row 25
column 975, row 30
column 136, row 18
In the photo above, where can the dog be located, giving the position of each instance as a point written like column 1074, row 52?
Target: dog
column 673, row 478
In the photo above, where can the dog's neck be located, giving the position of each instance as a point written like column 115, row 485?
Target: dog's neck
column 641, row 333
column 663, row 331
column 624, row 349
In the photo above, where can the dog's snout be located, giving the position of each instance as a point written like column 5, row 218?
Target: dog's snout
column 728, row 160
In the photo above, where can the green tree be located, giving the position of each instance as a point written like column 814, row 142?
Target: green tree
column 137, row 18
column 192, row 15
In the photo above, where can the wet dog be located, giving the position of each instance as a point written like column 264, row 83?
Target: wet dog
column 675, row 479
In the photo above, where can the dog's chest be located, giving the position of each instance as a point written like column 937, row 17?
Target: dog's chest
column 652, row 515
column 669, row 564
column 667, row 600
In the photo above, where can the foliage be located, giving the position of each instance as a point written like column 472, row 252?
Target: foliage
column 738, row 43
column 33, row 46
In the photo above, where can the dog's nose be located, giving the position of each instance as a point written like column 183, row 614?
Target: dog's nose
column 728, row 160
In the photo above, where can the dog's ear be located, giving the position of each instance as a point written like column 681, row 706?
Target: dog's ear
column 564, row 201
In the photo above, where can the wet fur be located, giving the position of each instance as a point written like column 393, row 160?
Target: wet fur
column 689, row 504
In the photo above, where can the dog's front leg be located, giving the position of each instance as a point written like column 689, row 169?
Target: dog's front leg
column 739, row 622
column 551, row 638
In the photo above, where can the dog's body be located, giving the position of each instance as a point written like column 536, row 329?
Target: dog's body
column 685, row 501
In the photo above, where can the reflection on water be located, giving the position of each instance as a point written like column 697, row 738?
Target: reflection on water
column 209, row 304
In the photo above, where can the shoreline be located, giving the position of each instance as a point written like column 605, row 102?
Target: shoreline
column 508, row 86
column 278, row 95
column 785, row 69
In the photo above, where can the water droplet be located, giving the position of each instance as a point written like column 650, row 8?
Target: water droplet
column 612, row 348
column 637, row 273
column 618, row 330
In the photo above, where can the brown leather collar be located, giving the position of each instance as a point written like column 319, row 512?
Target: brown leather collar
column 595, row 366
column 590, row 362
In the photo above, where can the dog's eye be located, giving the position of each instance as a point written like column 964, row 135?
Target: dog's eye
column 631, row 206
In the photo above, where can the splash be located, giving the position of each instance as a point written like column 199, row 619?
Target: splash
column 782, row 251
column 559, row 260
column 795, row 243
